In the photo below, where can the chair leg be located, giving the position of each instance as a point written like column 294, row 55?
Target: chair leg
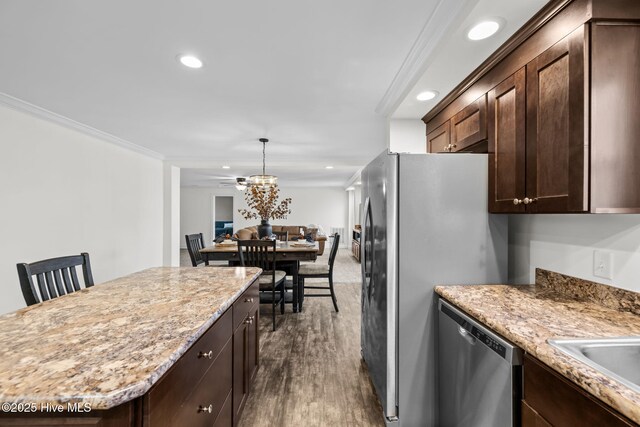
column 283, row 290
column 333, row 294
column 273, row 308
column 300, row 292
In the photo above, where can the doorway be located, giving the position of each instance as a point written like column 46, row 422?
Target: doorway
column 222, row 216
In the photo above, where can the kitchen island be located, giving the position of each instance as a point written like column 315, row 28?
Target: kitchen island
column 134, row 351
column 558, row 306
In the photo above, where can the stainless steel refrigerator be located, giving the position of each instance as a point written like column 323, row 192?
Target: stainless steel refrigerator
column 425, row 222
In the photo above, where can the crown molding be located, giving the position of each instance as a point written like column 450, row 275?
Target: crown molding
column 444, row 14
column 41, row 113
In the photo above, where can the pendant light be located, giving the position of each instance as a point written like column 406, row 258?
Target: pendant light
column 264, row 180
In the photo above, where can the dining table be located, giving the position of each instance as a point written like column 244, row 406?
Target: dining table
column 288, row 255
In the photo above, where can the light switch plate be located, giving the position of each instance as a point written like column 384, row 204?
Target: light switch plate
column 603, row 264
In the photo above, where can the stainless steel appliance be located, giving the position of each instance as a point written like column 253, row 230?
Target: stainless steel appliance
column 479, row 373
column 425, row 223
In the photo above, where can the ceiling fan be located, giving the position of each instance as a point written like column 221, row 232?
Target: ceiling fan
column 240, row 183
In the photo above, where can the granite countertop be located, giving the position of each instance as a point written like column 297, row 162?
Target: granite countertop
column 110, row 343
column 558, row 307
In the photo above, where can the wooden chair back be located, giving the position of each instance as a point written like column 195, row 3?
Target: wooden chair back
column 55, row 277
column 195, row 242
column 334, row 251
column 258, row 253
column 282, row 236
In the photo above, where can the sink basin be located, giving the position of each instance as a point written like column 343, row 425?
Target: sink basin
column 618, row 358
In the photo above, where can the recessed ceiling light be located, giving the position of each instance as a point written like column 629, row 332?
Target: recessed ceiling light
column 427, row 95
column 483, row 30
column 190, row 61
column 226, row 167
column 328, row 167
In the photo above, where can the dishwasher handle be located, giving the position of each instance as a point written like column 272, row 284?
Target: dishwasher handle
column 467, row 335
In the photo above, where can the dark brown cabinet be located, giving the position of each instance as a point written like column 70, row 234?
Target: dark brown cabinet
column 245, row 348
column 469, row 126
column 557, row 150
column 439, row 139
column 537, row 156
column 506, row 132
column 562, row 97
column 552, row 400
column 463, row 131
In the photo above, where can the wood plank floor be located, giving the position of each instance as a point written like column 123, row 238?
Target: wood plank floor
column 311, row 372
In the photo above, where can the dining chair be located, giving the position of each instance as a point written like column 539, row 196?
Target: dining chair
column 262, row 254
column 320, row 271
column 282, row 236
column 195, row 242
column 55, row 277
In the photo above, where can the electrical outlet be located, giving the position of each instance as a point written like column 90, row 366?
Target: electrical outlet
column 603, row 264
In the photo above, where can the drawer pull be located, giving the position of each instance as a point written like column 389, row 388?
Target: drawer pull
column 205, row 409
column 249, row 320
column 248, row 300
column 203, row 355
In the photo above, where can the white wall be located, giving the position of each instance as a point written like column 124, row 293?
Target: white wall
column 64, row 192
column 407, row 136
column 323, row 206
column 171, row 201
column 566, row 243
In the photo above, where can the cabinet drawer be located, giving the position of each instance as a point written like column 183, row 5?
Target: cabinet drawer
column 164, row 399
column 203, row 406
column 243, row 305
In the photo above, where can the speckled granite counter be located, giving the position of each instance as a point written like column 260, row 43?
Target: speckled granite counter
column 109, row 344
column 558, row 307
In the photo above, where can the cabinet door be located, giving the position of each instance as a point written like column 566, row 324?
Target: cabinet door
column 506, row 131
column 556, row 142
column 240, row 368
column 439, row 139
column 469, row 126
column 531, row 418
column 254, row 343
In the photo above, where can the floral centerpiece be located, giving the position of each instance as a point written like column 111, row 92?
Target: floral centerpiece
column 263, row 204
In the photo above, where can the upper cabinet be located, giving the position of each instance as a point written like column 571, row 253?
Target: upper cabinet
column 556, row 109
column 462, row 132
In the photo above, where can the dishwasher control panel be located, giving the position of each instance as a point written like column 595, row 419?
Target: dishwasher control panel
column 489, row 342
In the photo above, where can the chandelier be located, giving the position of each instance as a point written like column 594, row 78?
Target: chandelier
column 264, row 180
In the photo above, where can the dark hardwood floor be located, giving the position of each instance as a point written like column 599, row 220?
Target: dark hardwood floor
column 311, row 371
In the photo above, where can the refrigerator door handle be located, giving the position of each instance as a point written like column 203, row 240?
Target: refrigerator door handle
column 365, row 255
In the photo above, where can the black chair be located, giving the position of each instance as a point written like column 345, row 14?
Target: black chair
column 55, row 277
column 282, row 236
column 262, row 254
column 309, row 271
column 195, row 242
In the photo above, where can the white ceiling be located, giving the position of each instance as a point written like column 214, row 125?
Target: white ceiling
column 457, row 56
column 308, row 75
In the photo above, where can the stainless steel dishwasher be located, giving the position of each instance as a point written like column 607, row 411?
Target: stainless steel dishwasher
column 479, row 375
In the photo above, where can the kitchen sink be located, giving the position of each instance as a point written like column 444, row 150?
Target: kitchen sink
column 618, row 358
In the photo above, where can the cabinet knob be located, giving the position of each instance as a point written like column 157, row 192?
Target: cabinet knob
column 517, row 201
column 248, row 300
column 249, row 320
column 527, row 200
column 203, row 355
column 205, row 409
